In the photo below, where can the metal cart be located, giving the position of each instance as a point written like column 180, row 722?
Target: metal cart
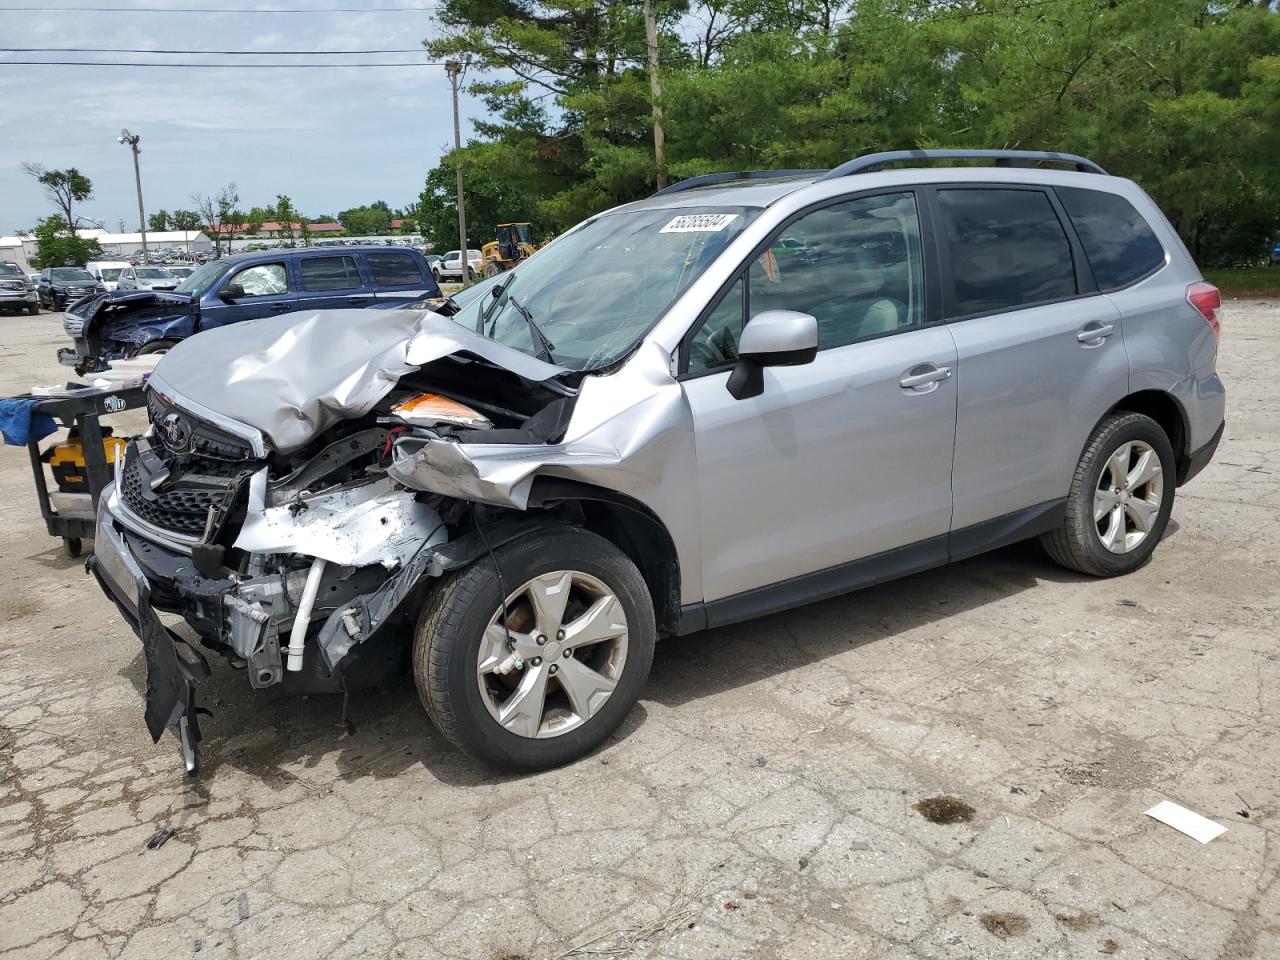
column 79, row 411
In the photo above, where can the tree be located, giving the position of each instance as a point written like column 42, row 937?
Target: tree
column 490, row 200
column 158, row 221
column 59, row 246
column 1180, row 95
column 290, row 219
column 62, row 187
column 372, row 219
column 219, row 214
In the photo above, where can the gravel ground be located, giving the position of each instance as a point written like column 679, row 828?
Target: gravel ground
column 764, row 800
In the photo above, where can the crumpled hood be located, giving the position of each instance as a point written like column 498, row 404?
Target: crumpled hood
column 293, row 376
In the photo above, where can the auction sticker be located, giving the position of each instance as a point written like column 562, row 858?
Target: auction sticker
column 700, row 223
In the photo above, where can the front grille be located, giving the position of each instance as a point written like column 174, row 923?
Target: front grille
column 177, row 507
column 205, row 439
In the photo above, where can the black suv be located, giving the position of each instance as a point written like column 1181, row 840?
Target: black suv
column 60, row 286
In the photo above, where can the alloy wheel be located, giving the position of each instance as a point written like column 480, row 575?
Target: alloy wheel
column 1127, row 500
column 552, row 656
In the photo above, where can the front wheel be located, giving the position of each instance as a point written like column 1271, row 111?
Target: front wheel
column 33, row 309
column 541, row 676
column 1120, row 499
column 156, row 346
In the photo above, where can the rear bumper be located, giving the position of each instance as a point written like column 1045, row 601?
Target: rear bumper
column 1199, row 459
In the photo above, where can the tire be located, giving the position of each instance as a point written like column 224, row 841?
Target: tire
column 34, row 309
column 156, row 346
column 1081, row 543
column 490, row 270
column 435, row 275
column 461, row 613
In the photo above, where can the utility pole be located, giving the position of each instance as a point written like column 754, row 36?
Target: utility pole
column 454, row 69
column 655, row 88
column 132, row 140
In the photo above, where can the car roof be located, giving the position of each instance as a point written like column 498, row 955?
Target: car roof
column 761, row 189
column 297, row 251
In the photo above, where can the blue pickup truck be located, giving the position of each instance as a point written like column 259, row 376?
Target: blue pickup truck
column 127, row 323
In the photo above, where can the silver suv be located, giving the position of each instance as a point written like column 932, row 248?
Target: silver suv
column 745, row 393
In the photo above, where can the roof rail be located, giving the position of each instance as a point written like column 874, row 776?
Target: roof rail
column 709, row 178
column 1003, row 158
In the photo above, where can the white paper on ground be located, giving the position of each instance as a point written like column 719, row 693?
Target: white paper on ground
column 1180, row 818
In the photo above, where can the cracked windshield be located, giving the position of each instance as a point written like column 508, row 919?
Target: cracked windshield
column 586, row 299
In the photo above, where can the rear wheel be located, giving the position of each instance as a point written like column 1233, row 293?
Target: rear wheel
column 491, row 270
column 1120, row 499
column 540, row 677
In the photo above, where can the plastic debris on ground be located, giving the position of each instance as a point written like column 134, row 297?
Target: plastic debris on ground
column 1180, row 818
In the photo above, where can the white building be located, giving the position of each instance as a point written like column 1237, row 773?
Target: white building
column 115, row 246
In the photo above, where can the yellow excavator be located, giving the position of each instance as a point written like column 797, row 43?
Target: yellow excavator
column 512, row 246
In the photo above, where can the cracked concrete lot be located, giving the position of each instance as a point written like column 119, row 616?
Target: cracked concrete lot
column 760, row 802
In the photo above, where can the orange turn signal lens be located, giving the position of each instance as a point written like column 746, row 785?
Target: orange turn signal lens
column 428, row 408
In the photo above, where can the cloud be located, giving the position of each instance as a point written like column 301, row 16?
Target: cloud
column 329, row 138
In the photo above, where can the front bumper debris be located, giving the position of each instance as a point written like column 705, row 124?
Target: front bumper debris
column 371, row 541
column 173, row 668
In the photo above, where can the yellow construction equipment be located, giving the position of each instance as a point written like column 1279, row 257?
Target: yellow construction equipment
column 512, row 246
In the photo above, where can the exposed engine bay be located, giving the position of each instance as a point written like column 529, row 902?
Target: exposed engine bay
column 322, row 532
column 291, row 501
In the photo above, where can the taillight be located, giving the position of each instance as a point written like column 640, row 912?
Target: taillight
column 1207, row 301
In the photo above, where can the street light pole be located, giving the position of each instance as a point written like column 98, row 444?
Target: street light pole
column 132, row 140
column 454, row 70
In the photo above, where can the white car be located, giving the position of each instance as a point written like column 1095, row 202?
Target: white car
column 107, row 272
column 146, row 278
column 450, row 268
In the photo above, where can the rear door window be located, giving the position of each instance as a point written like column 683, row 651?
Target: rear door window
column 1119, row 244
column 1007, row 250
column 329, row 273
column 394, row 269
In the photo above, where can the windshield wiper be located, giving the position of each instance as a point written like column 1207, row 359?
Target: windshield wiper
column 544, row 346
column 496, row 293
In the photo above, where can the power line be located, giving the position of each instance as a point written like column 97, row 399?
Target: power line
column 233, row 53
column 211, row 66
column 48, row 9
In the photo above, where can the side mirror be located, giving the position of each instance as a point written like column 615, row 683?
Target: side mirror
column 231, row 292
column 774, row 338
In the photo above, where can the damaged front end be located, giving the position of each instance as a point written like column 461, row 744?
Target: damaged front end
column 115, row 325
column 279, row 533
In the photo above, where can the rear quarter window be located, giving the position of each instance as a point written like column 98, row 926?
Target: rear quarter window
column 1118, row 242
column 394, row 269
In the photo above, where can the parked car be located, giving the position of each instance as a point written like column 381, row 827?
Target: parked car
column 146, row 278
column 180, row 271
column 1275, row 253
column 59, row 286
column 450, row 266
column 107, row 272
column 16, row 291
column 660, row 424
column 244, row 287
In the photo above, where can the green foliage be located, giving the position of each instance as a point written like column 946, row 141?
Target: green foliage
column 57, row 246
column 490, row 199
column 158, row 221
column 1181, row 95
column 184, row 220
column 374, row 218
column 64, row 188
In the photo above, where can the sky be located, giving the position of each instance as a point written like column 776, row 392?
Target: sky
column 330, row 139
